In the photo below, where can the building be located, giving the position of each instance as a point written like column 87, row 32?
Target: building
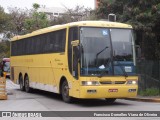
column 97, row 3
column 53, row 12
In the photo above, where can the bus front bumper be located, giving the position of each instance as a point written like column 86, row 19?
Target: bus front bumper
column 108, row 91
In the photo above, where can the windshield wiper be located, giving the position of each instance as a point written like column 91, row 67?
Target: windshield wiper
column 99, row 54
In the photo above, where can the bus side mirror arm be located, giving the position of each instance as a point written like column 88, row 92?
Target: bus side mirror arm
column 76, row 43
column 138, row 51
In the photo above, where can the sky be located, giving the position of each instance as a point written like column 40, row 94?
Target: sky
column 48, row 3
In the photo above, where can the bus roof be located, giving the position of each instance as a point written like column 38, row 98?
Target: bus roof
column 80, row 23
column 6, row 59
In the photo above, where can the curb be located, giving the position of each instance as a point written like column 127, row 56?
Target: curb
column 145, row 99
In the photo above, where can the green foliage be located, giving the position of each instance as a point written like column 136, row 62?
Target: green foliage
column 24, row 21
column 36, row 20
column 4, row 18
column 149, row 92
column 36, row 6
column 4, row 49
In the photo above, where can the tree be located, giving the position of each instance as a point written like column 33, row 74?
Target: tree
column 36, row 6
column 4, row 18
column 78, row 13
column 24, row 21
column 143, row 15
column 36, row 20
column 4, row 49
column 72, row 15
column 17, row 21
column 4, row 24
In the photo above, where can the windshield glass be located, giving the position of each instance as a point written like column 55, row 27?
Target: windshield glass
column 107, row 51
column 123, row 55
column 6, row 67
column 95, row 51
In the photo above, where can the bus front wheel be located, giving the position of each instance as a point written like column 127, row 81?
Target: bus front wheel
column 65, row 92
column 110, row 100
column 27, row 88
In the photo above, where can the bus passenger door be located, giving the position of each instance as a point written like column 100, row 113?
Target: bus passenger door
column 75, row 61
column 75, row 70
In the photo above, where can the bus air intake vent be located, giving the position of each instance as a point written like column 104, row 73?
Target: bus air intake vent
column 113, row 82
column 106, row 82
column 120, row 82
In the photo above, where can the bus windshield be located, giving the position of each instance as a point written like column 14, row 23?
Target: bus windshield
column 106, row 51
column 123, row 51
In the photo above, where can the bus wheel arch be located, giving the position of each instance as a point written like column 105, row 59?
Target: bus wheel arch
column 21, row 82
column 64, row 90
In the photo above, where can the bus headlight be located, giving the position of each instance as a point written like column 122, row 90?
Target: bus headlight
column 90, row 83
column 132, row 82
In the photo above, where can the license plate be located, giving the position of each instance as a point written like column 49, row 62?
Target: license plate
column 113, row 90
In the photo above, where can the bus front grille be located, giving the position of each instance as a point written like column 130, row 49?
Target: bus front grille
column 112, row 82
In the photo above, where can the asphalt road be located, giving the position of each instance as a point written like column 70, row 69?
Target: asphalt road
column 46, row 101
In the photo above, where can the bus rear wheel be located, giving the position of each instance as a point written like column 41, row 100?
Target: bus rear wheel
column 21, row 83
column 110, row 100
column 26, row 82
column 65, row 92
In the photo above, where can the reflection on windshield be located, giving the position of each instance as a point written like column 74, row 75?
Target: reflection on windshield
column 95, row 50
column 122, row 44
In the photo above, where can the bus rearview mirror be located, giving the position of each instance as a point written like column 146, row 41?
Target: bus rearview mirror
column 138, row 51
column 75, row 43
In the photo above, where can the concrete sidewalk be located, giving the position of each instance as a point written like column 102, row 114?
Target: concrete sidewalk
column 146, row 98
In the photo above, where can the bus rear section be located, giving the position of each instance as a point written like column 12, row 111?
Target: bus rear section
column 5, row 67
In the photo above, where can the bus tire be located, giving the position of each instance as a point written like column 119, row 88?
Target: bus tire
column 110, row 100
column 21, row 83
column 65, row 92
column 26, row 84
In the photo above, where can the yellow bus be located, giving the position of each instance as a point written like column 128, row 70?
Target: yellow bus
column 85, row 59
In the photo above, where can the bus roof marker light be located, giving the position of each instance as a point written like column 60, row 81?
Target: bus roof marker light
column 112, row 17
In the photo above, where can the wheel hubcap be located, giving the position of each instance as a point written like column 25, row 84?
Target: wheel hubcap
column 27, row 84
column 66, row 91
column 21, row 85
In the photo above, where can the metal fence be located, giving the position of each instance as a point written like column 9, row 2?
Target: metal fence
column 149, row 75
